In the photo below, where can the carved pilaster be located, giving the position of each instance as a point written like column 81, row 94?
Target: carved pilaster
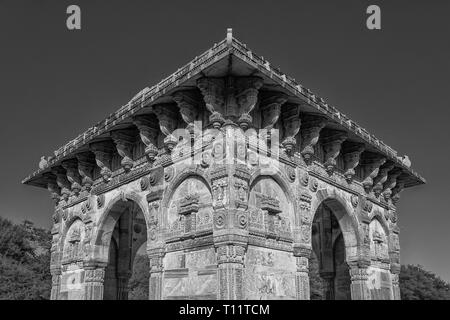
column 381, row 178
column 230, row 259
column 371, row 164
column 103, row 152
column 94, row 276
column 310, row 130
column 156, row 256
column 332, row 143
column 148, row 131
column 62, row 182
column 352, row 154
column 302, row 255
column 213, row 91
column 86, row 164
column 124, row 141
column 358, row 277
column 56, row 283
column 167, row 117
column 291, row 124
column 246, row 98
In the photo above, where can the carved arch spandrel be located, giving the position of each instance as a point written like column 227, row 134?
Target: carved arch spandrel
column 187, row 203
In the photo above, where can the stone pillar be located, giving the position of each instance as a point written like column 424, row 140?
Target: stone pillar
column 328, row 281
column 230, row 259
column 395, row 286
column 94, row 276
column 156, row 256
column 56, row 283
column 122, row 285
column 358, row 276
column 302, row 255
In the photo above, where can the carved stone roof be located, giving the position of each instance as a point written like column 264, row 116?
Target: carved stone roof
column 227, row 56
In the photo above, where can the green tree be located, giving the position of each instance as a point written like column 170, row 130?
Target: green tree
column 416, row 283
column 24, row 261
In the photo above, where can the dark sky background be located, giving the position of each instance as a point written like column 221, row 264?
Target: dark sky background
column 55, row 83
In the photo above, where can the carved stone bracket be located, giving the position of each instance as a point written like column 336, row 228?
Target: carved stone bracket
column 270, row 109
column 53, row 187
column 124, row 140
column 213, row 91
column 86, row 164
column 371, row 166
column 352, row 154
column 167, row 117
column 381, row 178
column 188, row 104
column 399, row 186
column 246, row 97
column 103, row 155
column 62, row 182
column 390, row 183
column 148, row 131
column 310, row 130
column 73, row 176
column 291, row 124
column 332, row 143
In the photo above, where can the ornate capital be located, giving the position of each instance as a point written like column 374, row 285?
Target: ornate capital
column 148, row 131
column 291, row 124
column 124, row 140
column 352, row 154
column 230, row 254
column 371, row 164
column 332, row 143
column 381, row 178
column 86, row 164
column 246, row 97
column 73, row 176
column 310, row 131
column 213, row 91
column 103, row 152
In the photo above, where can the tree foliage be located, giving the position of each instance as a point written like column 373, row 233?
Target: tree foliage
column 416, row 283
column 24, row 261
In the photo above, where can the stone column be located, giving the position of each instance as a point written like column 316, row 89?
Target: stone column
column 358, row 276
column 56, row 283
column 328, row 280
column 156, row 256
column 122, row 285
column 230, row 259
column 395, row 286
column 230, row 233
column 94, row 275
column 302, row 255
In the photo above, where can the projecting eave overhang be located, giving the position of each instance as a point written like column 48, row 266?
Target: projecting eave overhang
column 225, row 58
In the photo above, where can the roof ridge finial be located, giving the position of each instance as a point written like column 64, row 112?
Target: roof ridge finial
column 229, row 36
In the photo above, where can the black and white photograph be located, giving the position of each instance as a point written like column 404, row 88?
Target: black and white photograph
column 224, row 150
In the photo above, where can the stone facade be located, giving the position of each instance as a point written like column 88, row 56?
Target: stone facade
column 233, row 175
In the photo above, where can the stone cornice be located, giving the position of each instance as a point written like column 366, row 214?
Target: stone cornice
column 193, row 69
